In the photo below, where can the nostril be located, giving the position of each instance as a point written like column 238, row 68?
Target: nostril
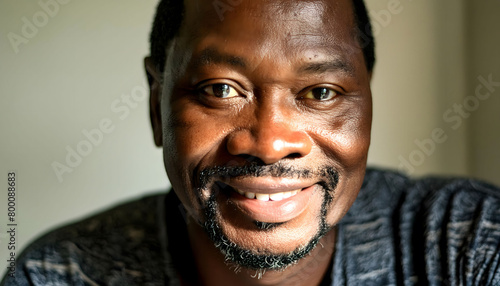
column 293, row 156
column 252, row 159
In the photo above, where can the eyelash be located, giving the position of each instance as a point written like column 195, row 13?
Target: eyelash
column 329, row 90
column 224, row 88
column 302, row 95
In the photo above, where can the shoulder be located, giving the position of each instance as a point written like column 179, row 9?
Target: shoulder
column 120, row 246
column 393, row 191
column 437, row 229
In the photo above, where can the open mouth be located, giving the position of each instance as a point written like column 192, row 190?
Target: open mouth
column 275, row 206
column 269, row 197
column 260, row 196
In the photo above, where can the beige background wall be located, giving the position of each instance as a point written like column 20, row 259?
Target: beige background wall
column 80, row 69
column 432, row 55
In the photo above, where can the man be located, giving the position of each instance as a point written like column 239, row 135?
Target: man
column 263, row 110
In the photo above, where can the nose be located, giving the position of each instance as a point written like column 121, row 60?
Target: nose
column 270, row 140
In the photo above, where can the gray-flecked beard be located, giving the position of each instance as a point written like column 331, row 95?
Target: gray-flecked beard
column 247, row 258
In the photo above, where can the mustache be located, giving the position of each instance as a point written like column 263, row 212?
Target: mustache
column 328, row 176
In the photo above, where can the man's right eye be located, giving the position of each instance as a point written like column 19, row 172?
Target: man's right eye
column 221, row 90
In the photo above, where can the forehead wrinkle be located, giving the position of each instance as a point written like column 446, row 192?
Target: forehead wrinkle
column 321, row 51
column 334, row 65
column 210, row 56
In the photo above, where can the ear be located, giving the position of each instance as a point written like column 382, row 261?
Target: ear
column 155, row 90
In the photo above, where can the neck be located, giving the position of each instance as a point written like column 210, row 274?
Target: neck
column 212, row 270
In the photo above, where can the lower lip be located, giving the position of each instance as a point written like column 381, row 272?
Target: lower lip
column 274, row 211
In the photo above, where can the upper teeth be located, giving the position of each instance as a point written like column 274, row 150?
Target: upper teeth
column 267, row 197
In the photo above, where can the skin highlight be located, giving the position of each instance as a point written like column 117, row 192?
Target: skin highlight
column 275, row 83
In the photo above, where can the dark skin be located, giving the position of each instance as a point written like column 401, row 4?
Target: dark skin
column 275, row 82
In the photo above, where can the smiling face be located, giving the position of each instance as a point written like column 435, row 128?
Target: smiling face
column 266, row 119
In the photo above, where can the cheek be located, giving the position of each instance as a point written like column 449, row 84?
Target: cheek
column 195, row 135
column 191, row 133
column 345, row 137
column 346, row 141
column 190, row 139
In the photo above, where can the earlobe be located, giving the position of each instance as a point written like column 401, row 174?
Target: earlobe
column 155, row 90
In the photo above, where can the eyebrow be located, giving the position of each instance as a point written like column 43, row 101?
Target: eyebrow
column 210, row 56
column 334, row 65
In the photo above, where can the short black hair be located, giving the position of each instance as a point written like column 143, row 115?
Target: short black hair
column 170, row 14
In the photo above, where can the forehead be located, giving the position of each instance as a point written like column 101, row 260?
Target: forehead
column 280, row 31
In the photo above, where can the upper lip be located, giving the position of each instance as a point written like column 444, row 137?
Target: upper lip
column 269, row 185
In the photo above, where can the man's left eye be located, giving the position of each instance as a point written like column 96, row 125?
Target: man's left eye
column 321, row 93
column 221, row 90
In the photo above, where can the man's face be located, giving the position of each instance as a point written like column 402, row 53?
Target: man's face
column 266, row 113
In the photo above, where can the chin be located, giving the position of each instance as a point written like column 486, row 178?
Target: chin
column 257, row 245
